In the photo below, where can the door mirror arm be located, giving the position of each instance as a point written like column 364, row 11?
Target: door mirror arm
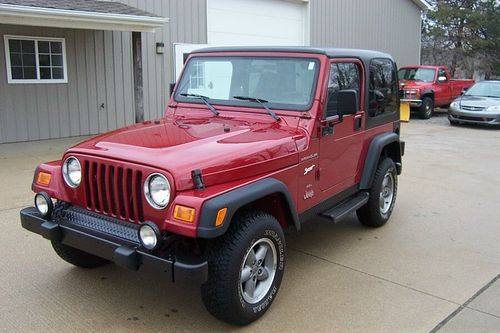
column 327, row 125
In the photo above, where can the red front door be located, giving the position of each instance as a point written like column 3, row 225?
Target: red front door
column 340, row 151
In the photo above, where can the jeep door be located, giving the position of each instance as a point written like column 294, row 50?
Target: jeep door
column 341, row 141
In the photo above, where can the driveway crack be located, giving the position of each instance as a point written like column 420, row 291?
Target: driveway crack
column 465, row 305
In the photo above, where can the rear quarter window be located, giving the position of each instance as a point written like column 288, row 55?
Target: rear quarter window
column 383, row 88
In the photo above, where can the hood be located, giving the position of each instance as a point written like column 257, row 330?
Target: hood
column 223, row 148
column 477, row 101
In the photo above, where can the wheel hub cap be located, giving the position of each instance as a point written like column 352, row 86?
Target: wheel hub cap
column 258, row 270
column 386, row 193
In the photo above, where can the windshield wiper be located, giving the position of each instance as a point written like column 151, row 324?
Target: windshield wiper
column 261, row 102
column 204, row 99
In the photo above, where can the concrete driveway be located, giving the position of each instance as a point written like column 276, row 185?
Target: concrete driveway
column 432, row 268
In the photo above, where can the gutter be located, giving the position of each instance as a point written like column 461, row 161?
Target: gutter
column 63, row 18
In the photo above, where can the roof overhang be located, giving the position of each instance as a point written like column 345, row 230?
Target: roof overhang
column 63, row 18
column 423, row 4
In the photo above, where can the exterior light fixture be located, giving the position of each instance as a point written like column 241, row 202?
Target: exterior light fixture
column 160, row 48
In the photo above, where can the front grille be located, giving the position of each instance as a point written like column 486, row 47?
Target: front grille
column 472, row 108
column 113, row 190
column 107, row 225
column 408, row 94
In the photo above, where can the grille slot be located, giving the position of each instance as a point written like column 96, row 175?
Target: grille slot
column 474, row 118
column 114, row 191
column 472, row 108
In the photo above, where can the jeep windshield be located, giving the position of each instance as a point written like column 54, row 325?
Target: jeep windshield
column 284, row 83
column 417, row 74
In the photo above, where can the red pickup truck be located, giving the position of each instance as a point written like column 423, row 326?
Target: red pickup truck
column 425, row 87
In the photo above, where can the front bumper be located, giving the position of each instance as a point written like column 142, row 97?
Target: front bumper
column 415, row 103
column 474, row 117
column 112, row 240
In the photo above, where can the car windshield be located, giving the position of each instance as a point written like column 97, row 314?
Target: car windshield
column 485, row 89
column 283, row 83
column 416, row 74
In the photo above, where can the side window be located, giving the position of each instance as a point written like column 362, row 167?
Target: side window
column 382, row 98
column 441, row 72
column 343, row 75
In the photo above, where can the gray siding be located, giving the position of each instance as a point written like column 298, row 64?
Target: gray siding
column 95, row 99
column 391, row 26
column 188, row 24
column 99, row 94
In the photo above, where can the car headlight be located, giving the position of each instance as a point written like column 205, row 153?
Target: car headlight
column 72, row 172
column 455, row 105
column 157, row 190
column 494, row 108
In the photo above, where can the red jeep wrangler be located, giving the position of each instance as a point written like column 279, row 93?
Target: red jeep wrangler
column 254, row 140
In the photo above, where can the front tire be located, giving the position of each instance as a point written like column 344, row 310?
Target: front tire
column 77, row 257
column 377, row 211
column 427, row 108
column 246, row 266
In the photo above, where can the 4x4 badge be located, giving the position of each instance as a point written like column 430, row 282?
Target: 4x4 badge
column 309, row 169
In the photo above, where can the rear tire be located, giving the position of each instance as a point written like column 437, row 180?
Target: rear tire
column 377, row 211
column 245, row 269
column 427, row 108
column 77, row 257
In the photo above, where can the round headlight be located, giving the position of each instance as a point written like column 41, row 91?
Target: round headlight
column 72, row 172
column 157, row 190
column 149, row 235
column 43, row 203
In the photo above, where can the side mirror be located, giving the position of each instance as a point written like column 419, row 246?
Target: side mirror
column 172, row 86
column 347, row 102
column 442, row 79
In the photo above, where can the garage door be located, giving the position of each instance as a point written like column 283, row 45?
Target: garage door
column 257, row 22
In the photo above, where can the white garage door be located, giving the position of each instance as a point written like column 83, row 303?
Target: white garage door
column 257, row 22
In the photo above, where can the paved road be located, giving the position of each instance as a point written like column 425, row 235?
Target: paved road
column 433, row 267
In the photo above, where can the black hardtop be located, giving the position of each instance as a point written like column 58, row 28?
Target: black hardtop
column 365, row 55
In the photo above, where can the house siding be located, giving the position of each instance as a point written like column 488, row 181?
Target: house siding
column 99, row 95
column 385, row 25
column 95, row 99
column 187, row 24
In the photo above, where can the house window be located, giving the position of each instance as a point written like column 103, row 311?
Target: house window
column 35, row 59
column 197, row 79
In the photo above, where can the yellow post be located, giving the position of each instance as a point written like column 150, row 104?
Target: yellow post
column 404, row 111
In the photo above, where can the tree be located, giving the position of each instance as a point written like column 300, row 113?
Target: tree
column 463, row 34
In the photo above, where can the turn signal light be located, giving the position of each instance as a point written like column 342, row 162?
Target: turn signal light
column 221, row 214
column 43, row 178
column 183, row 213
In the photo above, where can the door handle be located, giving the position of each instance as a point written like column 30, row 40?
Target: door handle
column 358, row 121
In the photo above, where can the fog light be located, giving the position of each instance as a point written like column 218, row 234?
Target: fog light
column 149, row 235
column 43, row 204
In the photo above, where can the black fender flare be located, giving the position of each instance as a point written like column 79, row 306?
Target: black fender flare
column 238, row 198
column 371, row 162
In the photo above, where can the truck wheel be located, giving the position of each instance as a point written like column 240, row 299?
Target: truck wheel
column 245, row 269
column 77, row 257
column 427, row 108
column 378, row 209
